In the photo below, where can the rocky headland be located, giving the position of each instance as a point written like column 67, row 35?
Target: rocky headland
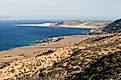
column 83, row 24
column 113, row 27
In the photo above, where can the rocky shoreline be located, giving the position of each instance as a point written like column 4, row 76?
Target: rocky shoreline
column 49, row 40
column 113, row 27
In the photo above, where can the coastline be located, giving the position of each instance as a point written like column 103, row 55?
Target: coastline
column 69, row 24
column 32, row 50
column 47, row 42
column 40, row 25
column 63, row 26
column 31, row 59
column 14, row 54
column 48, row 52
column 88, row 27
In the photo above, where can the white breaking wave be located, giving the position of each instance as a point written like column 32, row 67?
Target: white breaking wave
column 44, row 24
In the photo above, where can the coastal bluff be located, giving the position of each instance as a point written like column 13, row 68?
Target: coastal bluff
column 64, row 63
column 80, row 57
column 113, row 27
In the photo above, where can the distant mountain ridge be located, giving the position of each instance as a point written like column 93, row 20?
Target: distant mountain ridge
column 5, row 17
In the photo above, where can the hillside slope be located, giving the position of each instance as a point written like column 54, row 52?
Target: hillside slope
column 74, row 67
column 69, row 63
column 111, row 28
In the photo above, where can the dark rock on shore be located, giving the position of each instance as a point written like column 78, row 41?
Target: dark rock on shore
column 49, row 40
column 97, row 31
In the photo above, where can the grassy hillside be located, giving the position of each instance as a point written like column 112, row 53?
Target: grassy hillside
column 95, row 58
column 93, row 54
column 107, row 67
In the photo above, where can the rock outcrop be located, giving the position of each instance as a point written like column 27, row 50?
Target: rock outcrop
column 114, row 27
column 49, row 40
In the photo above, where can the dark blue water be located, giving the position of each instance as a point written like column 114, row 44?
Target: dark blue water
column 13, row 36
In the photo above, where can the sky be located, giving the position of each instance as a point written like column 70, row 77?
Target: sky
column 61, row 9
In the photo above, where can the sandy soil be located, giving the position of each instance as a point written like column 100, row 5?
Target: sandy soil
column 28, row 60
column 33, row 50
column 83, row 24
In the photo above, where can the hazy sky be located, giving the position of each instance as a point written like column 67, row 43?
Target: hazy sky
column 61, row 9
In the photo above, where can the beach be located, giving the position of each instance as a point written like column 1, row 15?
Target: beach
column 41, row 55
column 60, row 57
column 60, row 40
column 34, row 50
column 49, row 51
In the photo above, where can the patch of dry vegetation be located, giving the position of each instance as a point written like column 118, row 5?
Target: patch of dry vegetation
column 108, row 67
column 67, row 63
column 80, row 60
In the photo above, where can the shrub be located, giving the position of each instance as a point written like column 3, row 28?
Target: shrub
column 107, row 67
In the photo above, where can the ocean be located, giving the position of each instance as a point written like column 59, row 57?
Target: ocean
column 13, row 36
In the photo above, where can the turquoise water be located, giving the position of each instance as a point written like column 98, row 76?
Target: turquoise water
column 13, row 36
